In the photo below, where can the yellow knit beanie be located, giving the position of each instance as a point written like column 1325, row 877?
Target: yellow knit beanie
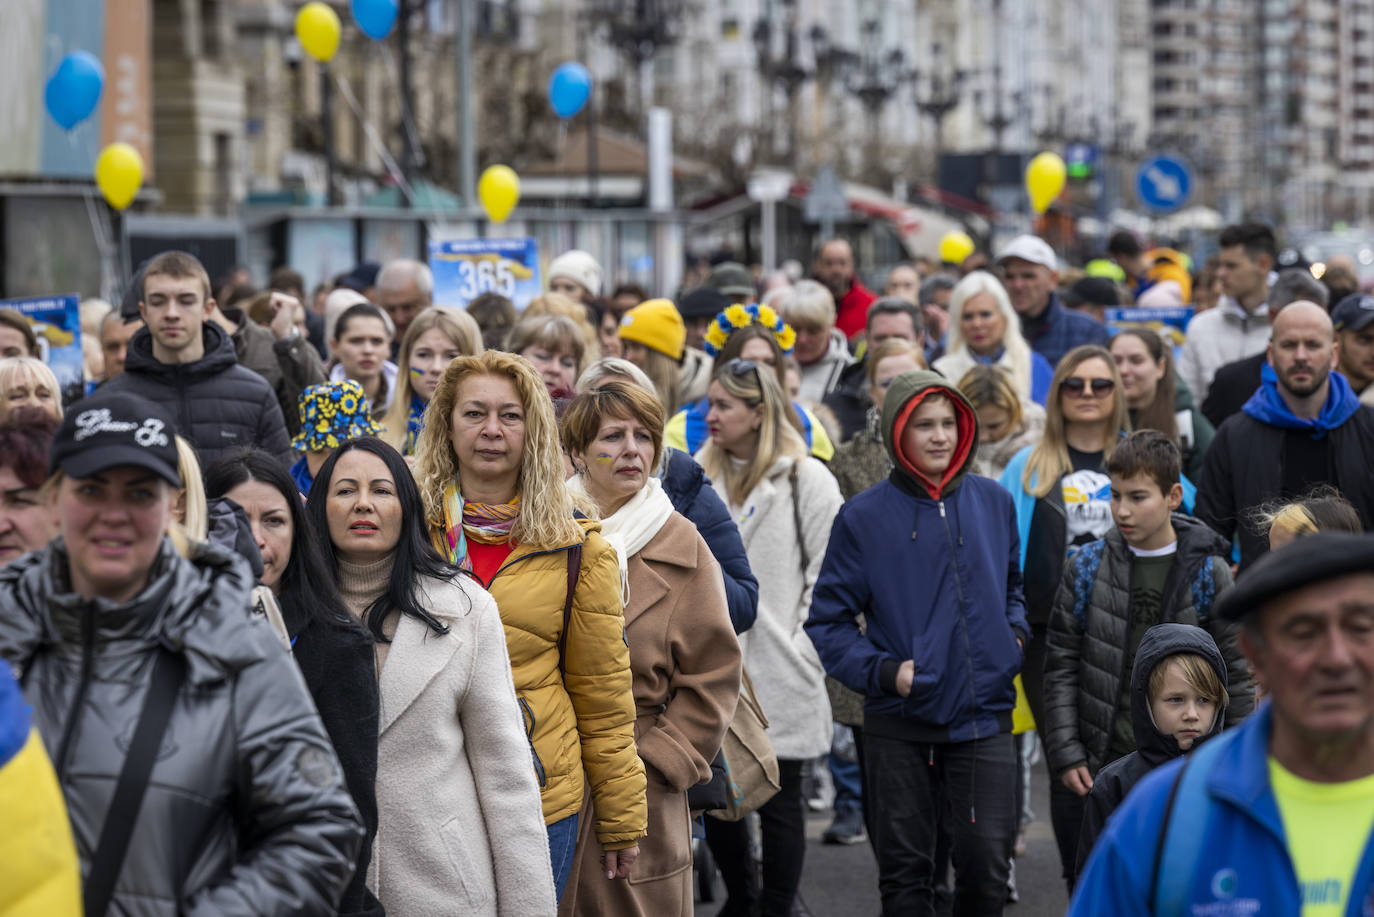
column 657, row 325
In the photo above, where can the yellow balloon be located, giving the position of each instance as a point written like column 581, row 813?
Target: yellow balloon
column 499, row 190
column 1044, row 180
column 955, row 247
column 317, row 29
column 119, row 173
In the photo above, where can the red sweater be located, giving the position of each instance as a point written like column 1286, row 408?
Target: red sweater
column 851, row 312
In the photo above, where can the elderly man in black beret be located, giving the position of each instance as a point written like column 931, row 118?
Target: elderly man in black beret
column 1276, row 815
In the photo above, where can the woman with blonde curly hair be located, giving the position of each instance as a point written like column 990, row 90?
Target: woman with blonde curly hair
column 435, row 338
column 491, row 479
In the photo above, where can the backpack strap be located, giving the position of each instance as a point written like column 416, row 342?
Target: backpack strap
column 1204, row 590
column 574, row 568
column 1181, row 834
column 1087, row 559
column 169, row 671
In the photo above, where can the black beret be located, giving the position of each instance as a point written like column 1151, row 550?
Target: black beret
column 1313, row 559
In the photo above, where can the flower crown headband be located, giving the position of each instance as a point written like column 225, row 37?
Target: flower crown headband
column 741, row 316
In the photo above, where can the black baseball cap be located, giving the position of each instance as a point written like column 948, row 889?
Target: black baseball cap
column 1353, row 312
column 703, row 302
column 1312, row 559
column 111, row 430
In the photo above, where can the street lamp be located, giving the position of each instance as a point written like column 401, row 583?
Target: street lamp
column 874, row 77
column 777, row 51
column 942, row 92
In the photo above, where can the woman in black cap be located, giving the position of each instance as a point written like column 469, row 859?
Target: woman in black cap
column 196, row 773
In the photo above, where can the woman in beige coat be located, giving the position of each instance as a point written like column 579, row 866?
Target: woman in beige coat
column 683, row 653
column 460, row 826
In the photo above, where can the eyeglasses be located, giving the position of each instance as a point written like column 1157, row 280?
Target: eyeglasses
column 1077, row 386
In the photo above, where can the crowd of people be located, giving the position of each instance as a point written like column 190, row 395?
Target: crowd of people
column 360, row 603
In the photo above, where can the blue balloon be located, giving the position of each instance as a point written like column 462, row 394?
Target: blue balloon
column 375, row 17
column 74, row 89
column 569, row 89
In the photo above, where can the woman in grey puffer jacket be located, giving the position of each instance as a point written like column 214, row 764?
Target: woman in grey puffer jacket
column 246, row 811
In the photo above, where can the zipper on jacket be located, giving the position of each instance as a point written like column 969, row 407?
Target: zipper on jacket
column 64, row 750
column 510, row 563
column 963, row 616
column 529, row 737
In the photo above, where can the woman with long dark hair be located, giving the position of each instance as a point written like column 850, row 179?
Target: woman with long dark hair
column 334, row 654
column 460, row 823
column 1156, row 400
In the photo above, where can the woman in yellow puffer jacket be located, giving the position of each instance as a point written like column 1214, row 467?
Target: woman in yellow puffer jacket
column 491, row 475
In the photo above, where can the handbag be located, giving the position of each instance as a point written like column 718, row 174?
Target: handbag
column 751, row 765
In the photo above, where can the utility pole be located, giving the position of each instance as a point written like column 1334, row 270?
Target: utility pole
column 409, row 156
column 467, row 149
column 331, row 194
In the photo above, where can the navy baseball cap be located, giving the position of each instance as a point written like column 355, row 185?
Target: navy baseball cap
column 1353, row 312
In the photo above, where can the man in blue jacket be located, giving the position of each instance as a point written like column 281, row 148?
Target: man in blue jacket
column 930, row 558
column 1273, row 817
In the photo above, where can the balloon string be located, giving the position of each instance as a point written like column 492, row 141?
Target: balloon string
column 407, row 116
column 375, row 140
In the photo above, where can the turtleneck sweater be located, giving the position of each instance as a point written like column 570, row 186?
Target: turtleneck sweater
column 359, row 586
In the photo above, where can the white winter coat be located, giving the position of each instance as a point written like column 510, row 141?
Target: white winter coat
column 778, row 655
column 461, row 828
column 1219, row 336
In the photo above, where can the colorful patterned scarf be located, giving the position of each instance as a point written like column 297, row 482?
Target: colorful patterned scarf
column 484, row 523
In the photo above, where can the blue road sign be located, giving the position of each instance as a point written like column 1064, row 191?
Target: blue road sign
column 1163, row 183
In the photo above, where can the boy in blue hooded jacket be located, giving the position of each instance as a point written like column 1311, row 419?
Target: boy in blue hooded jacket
column 930, row 558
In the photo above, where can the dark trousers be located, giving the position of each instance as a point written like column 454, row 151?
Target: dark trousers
column 907, row 784
column 1066, row 806
column 1066, row 815
column 782, row 821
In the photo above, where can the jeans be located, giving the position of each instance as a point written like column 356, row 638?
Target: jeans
column 907, row 786
column 844, row 770
column 782, row 820
column 562, row 845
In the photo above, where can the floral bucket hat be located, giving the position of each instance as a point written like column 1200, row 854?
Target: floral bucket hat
column 332, row 413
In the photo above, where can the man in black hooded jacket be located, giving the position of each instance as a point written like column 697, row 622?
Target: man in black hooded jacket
column 187, row 365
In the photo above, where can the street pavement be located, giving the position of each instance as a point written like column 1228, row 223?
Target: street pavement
column 843, row 881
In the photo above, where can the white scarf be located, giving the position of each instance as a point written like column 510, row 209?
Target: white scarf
column 632, row 526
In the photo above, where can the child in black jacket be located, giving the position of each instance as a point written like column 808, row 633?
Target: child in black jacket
column 1178, row 700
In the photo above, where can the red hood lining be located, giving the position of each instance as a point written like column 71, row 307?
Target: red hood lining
column 967, row 424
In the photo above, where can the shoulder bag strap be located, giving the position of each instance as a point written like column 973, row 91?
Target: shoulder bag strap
column 169, row 671
column 796, row 518
column 574, row 568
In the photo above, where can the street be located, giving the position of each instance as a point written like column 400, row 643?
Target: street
column 843, row 881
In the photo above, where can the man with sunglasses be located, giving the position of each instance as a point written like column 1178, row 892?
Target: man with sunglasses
column 1304, row 427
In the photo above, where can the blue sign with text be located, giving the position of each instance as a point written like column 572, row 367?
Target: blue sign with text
column 466, row 268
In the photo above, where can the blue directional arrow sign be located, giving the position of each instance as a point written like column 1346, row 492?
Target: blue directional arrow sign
column 1164, row 183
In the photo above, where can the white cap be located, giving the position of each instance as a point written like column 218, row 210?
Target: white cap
column 579, row 267
column 1030, row 248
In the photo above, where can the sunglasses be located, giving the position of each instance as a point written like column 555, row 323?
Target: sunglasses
column 742, row 367
column 1076, row 386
